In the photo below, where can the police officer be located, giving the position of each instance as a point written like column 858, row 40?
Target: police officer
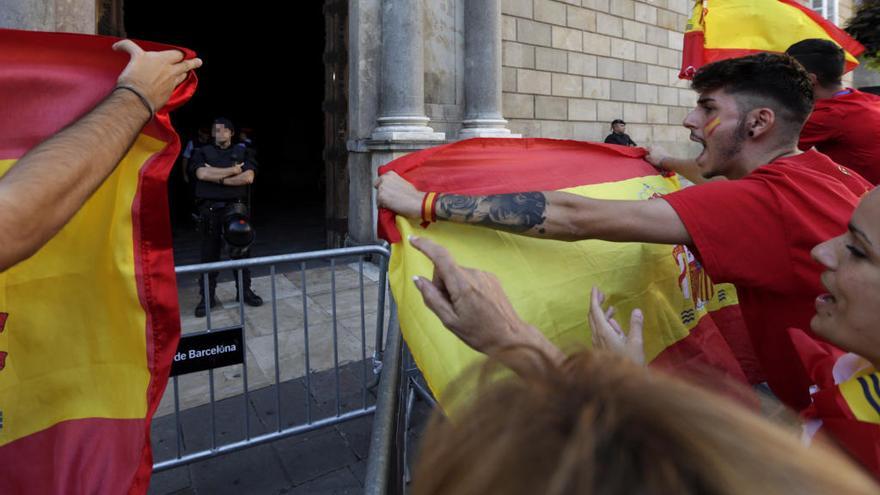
column 223, row 173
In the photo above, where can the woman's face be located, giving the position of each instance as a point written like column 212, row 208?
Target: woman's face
column 849, row 314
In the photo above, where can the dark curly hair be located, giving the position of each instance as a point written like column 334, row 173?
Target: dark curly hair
column 821, row 57
column 770, row 80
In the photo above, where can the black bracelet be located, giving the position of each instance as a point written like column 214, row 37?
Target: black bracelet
column 143, row 98
column 221, row 181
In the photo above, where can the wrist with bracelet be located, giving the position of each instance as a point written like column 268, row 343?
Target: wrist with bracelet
column 429, row 208
column 144, row 100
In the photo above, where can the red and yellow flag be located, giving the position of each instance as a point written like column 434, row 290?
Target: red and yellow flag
column 91, row 320
column 547, row 281
column 846, row 400
column 722, row 29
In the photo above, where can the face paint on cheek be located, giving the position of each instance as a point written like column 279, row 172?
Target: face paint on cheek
column 711, row 126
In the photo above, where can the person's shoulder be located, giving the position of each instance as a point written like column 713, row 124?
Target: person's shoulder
column 811, row 167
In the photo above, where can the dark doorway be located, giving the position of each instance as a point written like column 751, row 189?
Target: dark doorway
column 264, row 69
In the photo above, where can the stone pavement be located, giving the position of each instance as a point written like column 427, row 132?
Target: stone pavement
column 327, row 460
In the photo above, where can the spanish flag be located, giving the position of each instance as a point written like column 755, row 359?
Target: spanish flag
column 90, row 322
column 548, row 281
column 845, row 399
column 722, row 29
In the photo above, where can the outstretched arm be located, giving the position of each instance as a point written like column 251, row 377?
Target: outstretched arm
column 49, row 184
column 549, row 214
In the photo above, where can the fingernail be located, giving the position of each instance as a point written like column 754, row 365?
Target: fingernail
column 412, row 238
column 637, row 312
column 416, row 279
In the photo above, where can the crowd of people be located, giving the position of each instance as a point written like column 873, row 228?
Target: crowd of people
column 796, row 227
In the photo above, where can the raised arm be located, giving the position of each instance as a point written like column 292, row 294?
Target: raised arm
column 550, row 215
column 685, row 167
column 50, row 183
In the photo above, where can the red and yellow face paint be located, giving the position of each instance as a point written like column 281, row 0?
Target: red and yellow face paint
column 711, row 126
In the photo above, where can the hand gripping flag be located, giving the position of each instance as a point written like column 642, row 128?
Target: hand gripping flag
column 845, row 401
column 91, row 320
column 547, row 281
column 722, row 29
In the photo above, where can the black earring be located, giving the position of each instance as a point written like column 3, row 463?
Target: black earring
column 751, row 133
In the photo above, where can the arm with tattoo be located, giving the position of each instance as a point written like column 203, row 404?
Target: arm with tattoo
column 548, row 215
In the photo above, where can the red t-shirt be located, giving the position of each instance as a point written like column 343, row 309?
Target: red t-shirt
column 757, row 233
column 847, row 128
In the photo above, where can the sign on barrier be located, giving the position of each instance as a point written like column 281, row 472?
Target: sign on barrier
column 208, row 351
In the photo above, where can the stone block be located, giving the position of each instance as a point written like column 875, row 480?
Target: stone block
column 635, row 71
column 526, row 128
column 677, row 114
column 533, row 33
column 517, row 106
column 519, row 8
column 610, row 68
column 517, row 55
column 556, row 129
column 608, row 24
column 597, row 5
column 634, row 31
column 583, row 64
column 597, row 44
column 623, row 49
column 668, row 20
column 660, row 4
column 635, row 112
column 534, row 82
column 567, row 39
column 646, row 53
column 676, row 40
column 590, row 131
column 551, row 107
column 646, row 93
column 657, row 114
column 623, row 91
column 582, row 19
column 680, row 6
column 639, row 133
column 550, row 11
column 581, row 109
column 551, row 60
column 668, row 58
column 623, row 8
column 508, row 79
column 599, row 89
column 666, row 96
column 687, row 98
column 572, row 2
column 670, row 133
column 646, row 13
column 606, row 111
column 567, row 85
column 657, row 75
column 657, row 36
column 508, row 28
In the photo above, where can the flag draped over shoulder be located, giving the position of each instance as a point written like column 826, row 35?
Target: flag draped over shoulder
column 548, row 281
column 846, row 400
column 90, row 322
column 722, row 29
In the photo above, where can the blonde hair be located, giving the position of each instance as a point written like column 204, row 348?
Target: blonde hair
column 599, row 424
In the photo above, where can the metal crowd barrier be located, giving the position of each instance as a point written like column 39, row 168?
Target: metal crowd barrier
column 388, row 463
column 289, row 263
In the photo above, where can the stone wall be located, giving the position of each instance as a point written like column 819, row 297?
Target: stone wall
column 72, row 16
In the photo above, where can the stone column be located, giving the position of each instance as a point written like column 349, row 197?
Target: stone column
column 482, row 71
column 402, row 94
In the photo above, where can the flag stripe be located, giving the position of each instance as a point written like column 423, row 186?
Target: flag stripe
column 867, row 392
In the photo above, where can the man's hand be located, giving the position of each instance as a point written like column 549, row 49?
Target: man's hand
column 472, row 304
column 398, row 195
column 656, row 156
column 607, row 333
column 154, row 74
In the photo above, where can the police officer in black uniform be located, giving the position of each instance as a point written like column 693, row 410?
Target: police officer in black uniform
column 222, row 173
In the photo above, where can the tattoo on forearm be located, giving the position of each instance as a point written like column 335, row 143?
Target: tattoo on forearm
column 518, row 212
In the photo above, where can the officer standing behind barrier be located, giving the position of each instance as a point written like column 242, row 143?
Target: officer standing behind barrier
column 223, row 173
